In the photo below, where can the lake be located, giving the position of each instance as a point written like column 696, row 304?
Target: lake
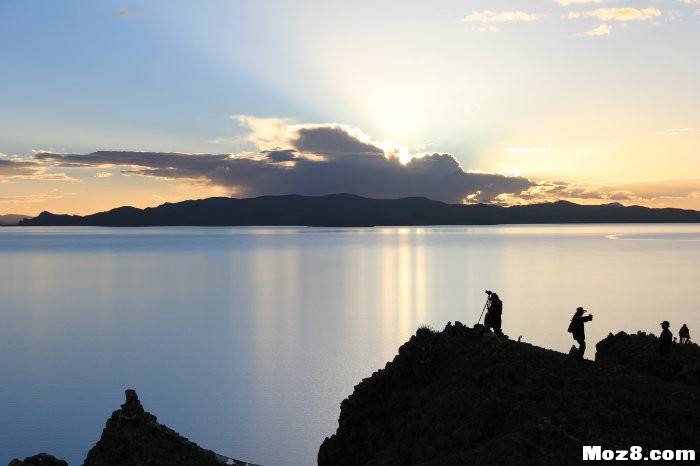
column 246, row 340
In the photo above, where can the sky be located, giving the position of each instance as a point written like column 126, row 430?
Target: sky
column 140, row 102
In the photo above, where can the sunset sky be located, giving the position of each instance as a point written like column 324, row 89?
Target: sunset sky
column 109, row 103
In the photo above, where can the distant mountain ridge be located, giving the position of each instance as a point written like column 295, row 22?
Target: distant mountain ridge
column 347, row 210
column 12, row 219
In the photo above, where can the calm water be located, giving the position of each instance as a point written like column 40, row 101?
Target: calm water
column 246, row 340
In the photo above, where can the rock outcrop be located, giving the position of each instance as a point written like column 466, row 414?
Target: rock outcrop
column 133, row 436
column 42, row 459
column 461, row 396
column 640, row 352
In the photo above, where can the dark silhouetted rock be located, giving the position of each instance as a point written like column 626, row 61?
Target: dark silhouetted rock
column 461, row 396
column 133, row 436
column 42, row 459
column 640, row 352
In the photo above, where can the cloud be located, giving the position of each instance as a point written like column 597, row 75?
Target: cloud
column 13, row 167
column 487, row 18
column 103, row 175
column 32, row 198
column 264, row 132
column 10, row 167
column 602, row 30
column 316, row 160
column 663, row 189
column 618, row 14
column 678, row 131
column 648, row 192
column 332, row 141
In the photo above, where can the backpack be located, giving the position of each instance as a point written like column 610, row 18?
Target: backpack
column 571, row 327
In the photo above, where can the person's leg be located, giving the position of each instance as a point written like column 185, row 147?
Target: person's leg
column 581, row 348
column 499, row 332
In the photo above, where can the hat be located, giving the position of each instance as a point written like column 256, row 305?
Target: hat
column 580, row 309
column 665, row 323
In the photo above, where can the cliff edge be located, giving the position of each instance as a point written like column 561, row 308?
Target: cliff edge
column 461, row 396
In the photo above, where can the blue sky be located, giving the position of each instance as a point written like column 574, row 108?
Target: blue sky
column 141, row 102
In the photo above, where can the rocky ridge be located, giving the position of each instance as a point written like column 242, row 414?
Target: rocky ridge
column 461, row 396
column 639, row 352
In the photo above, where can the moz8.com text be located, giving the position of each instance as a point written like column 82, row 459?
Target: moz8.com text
column 597, row 453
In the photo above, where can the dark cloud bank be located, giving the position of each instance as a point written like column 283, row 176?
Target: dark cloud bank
column 15, row 167
column 321, row 160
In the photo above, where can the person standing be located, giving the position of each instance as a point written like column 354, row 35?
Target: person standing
column 576, row 328
column 665, row 338
column 684, row 334
column 492, row 319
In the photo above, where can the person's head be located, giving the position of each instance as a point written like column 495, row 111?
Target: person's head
column 665, row 324
column 580, row 311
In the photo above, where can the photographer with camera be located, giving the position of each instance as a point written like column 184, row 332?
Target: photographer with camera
column 492, row 319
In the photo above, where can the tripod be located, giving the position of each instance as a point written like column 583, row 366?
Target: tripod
column 484, row 309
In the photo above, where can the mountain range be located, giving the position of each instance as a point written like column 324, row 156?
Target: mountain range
column 12, row 219
column 348, row 210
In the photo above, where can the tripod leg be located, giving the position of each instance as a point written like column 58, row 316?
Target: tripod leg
column 482, row 311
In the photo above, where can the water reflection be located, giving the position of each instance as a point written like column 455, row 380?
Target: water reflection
column 403, row 284
column 246, row 337
column 276, row 277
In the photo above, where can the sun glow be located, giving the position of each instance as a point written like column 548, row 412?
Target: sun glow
column 392, row 150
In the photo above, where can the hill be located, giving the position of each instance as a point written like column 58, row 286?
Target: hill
column 461, row 396
column 340, row 210
column 12, row 219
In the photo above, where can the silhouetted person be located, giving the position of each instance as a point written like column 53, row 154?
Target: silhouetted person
column 492, row 319
column 577, row 330
column 665, row 338
column 684, row 334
